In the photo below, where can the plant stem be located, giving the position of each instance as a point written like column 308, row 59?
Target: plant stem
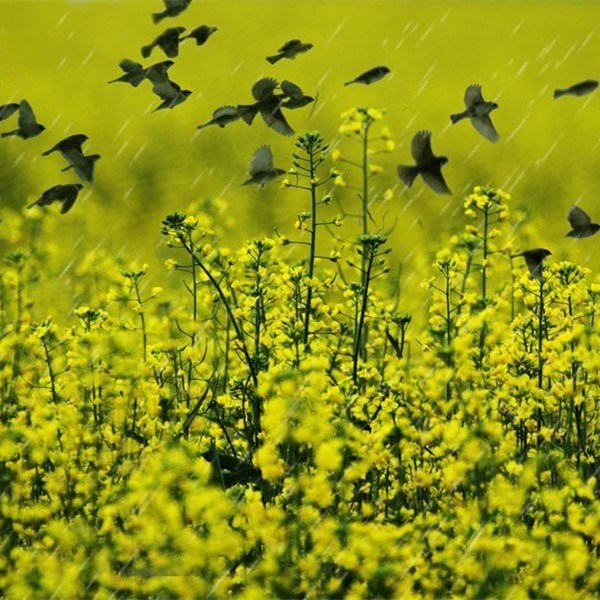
column 313, row 246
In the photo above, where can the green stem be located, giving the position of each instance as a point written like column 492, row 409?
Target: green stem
column 485, row 254
column 238, row 330
column 363, row 311
column 50, row 371
column 313, row 248
column 142, row 318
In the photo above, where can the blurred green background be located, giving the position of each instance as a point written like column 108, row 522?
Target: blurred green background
column 60, row 56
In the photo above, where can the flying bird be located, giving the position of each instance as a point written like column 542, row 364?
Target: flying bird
column 581, row 223
column 68, row 146
column 84, row 166
column 268, row 104
column 71, row 150
column 167, row 41
column 172, row 96
column 293, row 96
column 28, row 127
column 370, row 76
column 200, row 34
column 579, row 89
column 261, row 169
column 428, row 165
column 534, row 260
column 222, row 116
column 172, row 9
column 8, row 110
column 289, row 50
column 67, row 194
column 478, row 111
column 135, row 73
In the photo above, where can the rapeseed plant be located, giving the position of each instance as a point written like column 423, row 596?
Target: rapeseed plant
column 284, row 429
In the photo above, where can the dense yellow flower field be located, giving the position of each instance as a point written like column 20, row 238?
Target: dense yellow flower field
column 332, row 387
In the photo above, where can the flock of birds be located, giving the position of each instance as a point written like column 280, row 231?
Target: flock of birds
column 270, row 99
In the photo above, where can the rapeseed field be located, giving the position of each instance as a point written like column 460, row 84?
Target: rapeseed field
column 323, row 383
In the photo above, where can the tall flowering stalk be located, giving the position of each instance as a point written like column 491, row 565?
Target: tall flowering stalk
column 313, row 151
column 357, row 125
column 490, row 207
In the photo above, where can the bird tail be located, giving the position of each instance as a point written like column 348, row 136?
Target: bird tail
column 275, row 58
column 147, row 50
column 407, row 174
column 48, row 152
column 33, row 204
column 558, row 93
column 248, row 112
column 456, row 117
column 157, row 17
column 9, row 133
column 349, row 82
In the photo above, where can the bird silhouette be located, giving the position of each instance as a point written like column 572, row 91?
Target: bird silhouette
column 370, row 76
column 581, row 223
column 171, row 95
column 534, row 259
column 268, row 104
column 172, row 9
column 70, row 149
column 167, row 41
column 428, row 165
column 68, row 146
column 135, row 73
column 261, row 169
column 199, row 34
column 578, row 89
column 66, row 194
column 292, row 96
column 28, row 127
column 222, row 116
column 478, row 111
column 289, row 50
column 84, row 166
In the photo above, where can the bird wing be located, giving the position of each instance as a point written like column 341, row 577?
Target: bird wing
column 578, row 217
column 165, row 89
column 73, row 155
column 158, row 69
column 534, row 264
column 226, row 111
column 174, row 4
column 68, row 201
column 486, row 128
column 421, row 147
column 26, row 116
column 51, row 194
column 435, row 180
column 168, row 41
column 473, row 95
column 74, row 141
column 275, row 120
column 261, row 161
column 7, row 110
column 291, row 89
column 130, row 66
column 289, row 45
column 264, row 88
